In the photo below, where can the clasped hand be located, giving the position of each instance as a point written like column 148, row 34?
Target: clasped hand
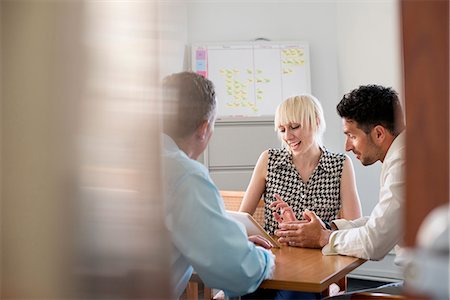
column 309, row 233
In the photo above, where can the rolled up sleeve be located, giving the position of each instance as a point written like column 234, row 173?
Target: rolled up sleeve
column 373, row 237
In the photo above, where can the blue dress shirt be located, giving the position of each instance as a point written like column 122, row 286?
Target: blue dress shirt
column 202, row 235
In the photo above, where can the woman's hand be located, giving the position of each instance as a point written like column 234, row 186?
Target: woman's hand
column 286, row 213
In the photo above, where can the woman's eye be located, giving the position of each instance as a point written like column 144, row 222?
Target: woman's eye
column 295, row 126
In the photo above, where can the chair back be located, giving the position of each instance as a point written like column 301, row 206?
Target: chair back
column 233, row 199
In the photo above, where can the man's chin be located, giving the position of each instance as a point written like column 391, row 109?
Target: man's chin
column 367, row 163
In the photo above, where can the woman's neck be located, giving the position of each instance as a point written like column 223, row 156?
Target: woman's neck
column 309, row 159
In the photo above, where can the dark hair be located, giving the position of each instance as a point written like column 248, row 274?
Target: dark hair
column 188, row 100
column 372, row 105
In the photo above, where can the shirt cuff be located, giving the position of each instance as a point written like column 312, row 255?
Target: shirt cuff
column 342, row 224
column 328, row 249
column 269, row 258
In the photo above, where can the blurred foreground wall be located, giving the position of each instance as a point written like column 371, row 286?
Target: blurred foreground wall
column 81, row 207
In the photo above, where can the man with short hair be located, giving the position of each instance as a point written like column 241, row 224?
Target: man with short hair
column 203, row 237
column 374, row 127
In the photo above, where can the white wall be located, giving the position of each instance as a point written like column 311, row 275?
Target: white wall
column 314, row 22
column 172, row 20
column 368, row 53
column 351, row 43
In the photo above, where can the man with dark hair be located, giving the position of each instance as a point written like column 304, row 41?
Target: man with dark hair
column 374, row 127
column 373, row 105
column 203, row 237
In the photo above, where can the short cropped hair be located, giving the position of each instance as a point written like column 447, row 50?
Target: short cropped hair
column 372, row 105
column 188, row 100
column 305, row 110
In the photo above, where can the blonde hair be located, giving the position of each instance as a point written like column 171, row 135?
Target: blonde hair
column 305, row 110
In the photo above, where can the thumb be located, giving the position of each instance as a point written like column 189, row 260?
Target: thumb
column 309, row 215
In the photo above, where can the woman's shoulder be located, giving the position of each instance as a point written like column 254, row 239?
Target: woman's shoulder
column 333, row 158
column 277, row 152
column 277, row 156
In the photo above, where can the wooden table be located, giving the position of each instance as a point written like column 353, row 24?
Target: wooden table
column 299, row 269
column 307, row 270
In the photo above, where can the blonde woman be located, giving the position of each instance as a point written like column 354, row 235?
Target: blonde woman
column 303, row 175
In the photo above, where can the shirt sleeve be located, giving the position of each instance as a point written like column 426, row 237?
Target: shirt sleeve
column 216, row 246
column 372, row 238
column 348, row 224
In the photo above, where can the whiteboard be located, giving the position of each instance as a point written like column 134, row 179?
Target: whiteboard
column 251, row 79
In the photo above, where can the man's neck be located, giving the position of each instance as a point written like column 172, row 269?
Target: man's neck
column 387, row 145
column 186, row 145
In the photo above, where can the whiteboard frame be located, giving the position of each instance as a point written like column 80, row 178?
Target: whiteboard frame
column 258, row 43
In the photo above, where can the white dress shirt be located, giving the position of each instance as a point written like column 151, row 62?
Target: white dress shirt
column 374, row 236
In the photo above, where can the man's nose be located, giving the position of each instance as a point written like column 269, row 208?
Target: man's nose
column 348, row 145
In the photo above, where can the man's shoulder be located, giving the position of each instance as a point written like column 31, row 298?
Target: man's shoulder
column 179, row 166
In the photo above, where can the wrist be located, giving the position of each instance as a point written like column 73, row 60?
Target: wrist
column 330, row 226
column 325, row 237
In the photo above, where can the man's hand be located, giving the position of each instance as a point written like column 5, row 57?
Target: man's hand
column 310, row 233
column 260, row 241
column 286, row 213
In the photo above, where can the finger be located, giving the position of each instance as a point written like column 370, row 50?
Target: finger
column 264, row 243
column 281, row 205
column 310, row 215
column 278, row 197
column 285, row 233
column 286, row 210
column 282, row 241
column 298, row 222
column 290, row 226
column 267, row 242
column 260, row 241
column 277, row 217
column 289, row 215
column 274, row 204
column 288, row 241
column 293, row 243
column 278, row 233
column 306, row 215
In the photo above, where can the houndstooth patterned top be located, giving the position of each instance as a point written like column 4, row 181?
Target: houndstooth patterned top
column 320, row 194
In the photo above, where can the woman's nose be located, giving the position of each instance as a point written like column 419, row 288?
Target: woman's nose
column 287, row 134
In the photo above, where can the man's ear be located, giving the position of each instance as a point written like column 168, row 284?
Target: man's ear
column 202, row 130
column 379, row 134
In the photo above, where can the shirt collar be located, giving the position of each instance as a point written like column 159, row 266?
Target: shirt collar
column 170, row 147
column 168, row 142
column 397, row 144
column 324, row 160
